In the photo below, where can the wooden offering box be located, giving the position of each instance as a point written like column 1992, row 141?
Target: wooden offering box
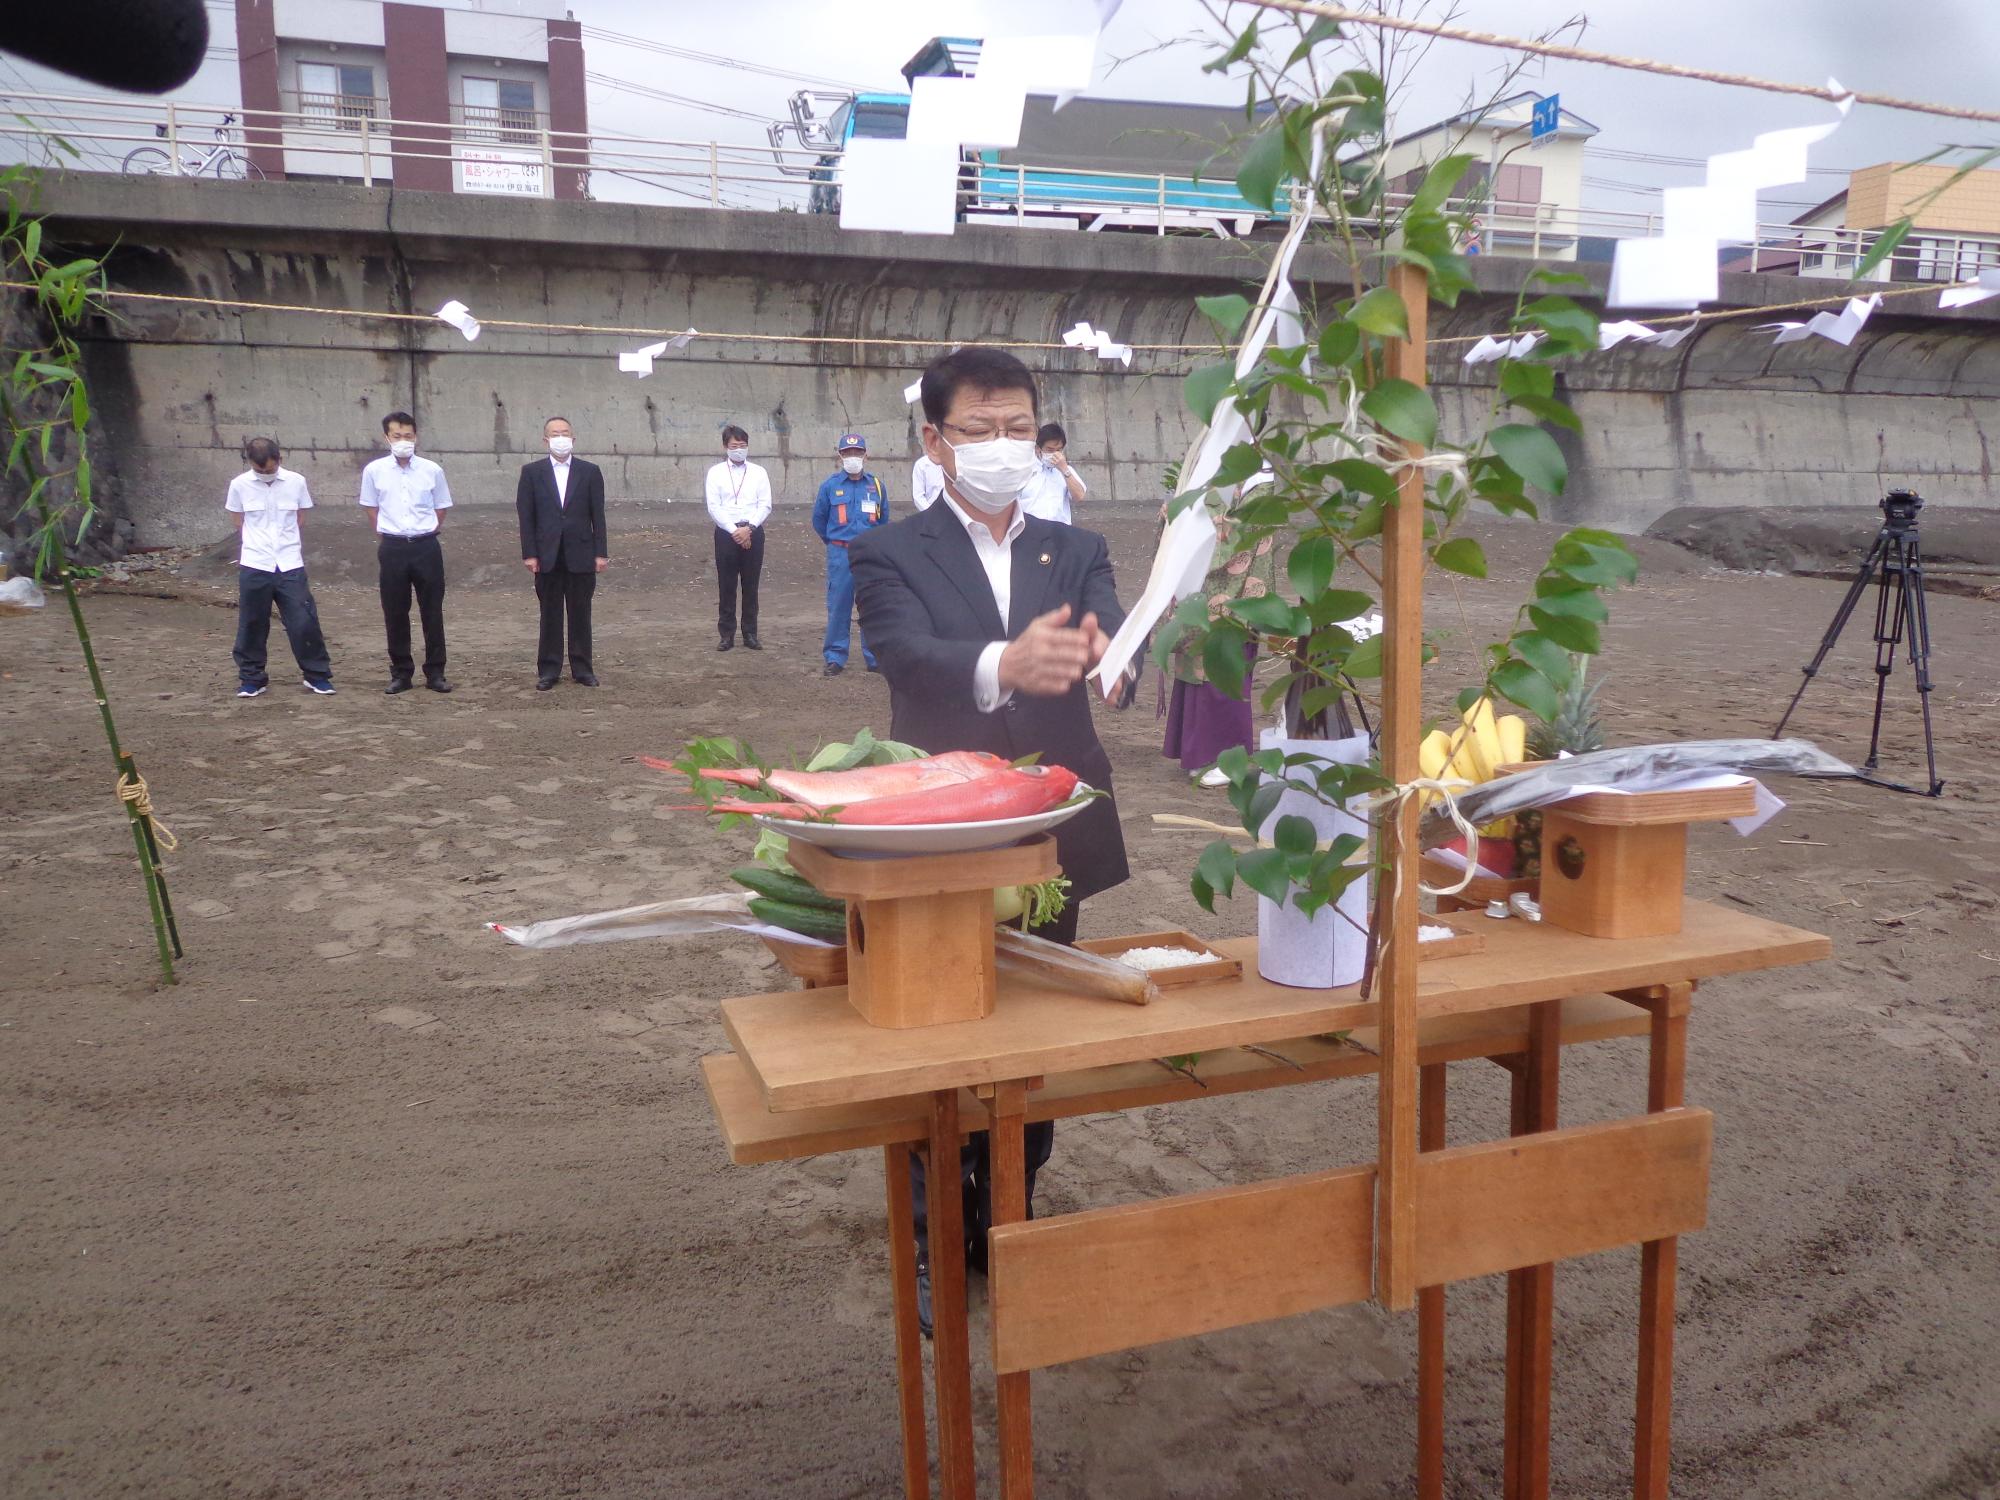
column 920, row 927
column 1616, row 866
column 1219, row 965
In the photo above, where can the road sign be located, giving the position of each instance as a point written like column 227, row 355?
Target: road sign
column 1547, row 118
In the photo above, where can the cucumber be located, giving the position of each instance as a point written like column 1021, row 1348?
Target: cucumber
column 812, row 921
column 782, row 885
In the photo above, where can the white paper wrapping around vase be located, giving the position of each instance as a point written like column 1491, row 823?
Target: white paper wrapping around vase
column 1330, row 948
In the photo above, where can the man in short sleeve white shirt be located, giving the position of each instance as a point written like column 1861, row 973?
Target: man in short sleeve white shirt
column 739, row 502
column 409, row 497
column 926, row 481
column 1056, row 487
column 271, row 569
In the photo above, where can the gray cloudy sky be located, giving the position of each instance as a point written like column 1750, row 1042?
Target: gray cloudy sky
column 1944, row 51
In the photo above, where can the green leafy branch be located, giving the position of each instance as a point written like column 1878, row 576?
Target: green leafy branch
column 1328, row 424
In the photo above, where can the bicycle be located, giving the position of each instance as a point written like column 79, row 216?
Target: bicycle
column 221, row 161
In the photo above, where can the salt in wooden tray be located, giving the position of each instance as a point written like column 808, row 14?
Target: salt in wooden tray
column 1219, row 967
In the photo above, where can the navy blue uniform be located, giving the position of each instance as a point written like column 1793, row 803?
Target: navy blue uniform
column 847, row 507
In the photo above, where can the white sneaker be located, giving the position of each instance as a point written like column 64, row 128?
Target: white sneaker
column 1212, row 778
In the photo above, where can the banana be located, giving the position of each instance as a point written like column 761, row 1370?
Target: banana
column 1434, row 752
column 1513, row 731
column 1486, row 739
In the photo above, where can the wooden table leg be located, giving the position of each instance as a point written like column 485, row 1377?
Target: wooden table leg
column 1007, row 1147
column 909, row 1337
column 1666, row 1088
column 951, row 1351
column 1430, row 1311
column 1531, row 1290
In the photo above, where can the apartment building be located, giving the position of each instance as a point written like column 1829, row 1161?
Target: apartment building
column 481, row 96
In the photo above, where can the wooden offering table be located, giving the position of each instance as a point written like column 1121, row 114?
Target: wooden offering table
column 810, row 1075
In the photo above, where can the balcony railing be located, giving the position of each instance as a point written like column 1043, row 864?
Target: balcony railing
column 512, row 127
column 346, row 111
column 353, row 138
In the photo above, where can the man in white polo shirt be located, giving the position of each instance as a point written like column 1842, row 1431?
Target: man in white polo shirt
column 271, row 568
column 409, row 497
column 739, row 502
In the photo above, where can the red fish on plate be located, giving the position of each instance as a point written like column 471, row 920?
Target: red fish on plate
column 957, row 787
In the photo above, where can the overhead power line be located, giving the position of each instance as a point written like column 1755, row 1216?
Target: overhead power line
column 1660, row 159
column 1567, row 53
column 715, row 60
column 647, row 91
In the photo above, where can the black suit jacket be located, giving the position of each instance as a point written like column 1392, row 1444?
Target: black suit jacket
column 566, row 531
column 927, row 611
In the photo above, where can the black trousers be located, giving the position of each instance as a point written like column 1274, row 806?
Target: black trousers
column 256, row 592
column 413, row 564
column 734, row 564
column 975, row 1158
column 564, row 593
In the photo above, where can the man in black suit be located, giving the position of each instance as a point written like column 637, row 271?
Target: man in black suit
column 560, row 501
column 985, row 621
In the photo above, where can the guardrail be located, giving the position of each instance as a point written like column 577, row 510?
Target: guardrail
column 354, row 139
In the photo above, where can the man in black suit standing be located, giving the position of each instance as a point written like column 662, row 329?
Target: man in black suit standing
column 985, row 621
column 560, row 501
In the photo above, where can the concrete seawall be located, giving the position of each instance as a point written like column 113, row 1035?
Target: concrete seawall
column 1725, row 419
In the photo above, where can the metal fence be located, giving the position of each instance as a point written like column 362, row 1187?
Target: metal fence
column 353, row 138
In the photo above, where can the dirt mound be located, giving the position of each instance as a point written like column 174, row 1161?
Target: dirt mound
column 1960, row 546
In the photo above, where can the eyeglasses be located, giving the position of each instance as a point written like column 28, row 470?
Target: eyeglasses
column 1019, row 432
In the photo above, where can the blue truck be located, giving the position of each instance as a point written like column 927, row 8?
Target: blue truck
column 1094, row 164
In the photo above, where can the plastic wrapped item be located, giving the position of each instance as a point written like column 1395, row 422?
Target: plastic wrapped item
column 1050, row 963
column 1631, row 768
column 19, row 595
column 689, row 917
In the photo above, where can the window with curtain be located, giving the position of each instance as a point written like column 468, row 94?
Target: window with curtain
column 500, row 109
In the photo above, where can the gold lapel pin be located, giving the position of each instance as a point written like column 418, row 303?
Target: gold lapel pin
column 1046, row 559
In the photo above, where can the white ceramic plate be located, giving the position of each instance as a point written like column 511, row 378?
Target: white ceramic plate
column 881, row 839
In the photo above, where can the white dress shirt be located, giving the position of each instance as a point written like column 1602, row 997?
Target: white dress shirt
column 1047, row 496
column 405, row 497
column 997, row 558
column 561, row 466
column 738, row 495
column 926, row 481
column 270, row 509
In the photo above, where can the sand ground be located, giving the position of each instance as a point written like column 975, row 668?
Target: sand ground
column 374, row 1204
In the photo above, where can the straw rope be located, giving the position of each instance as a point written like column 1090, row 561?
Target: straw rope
column 369, row 314
column 133, row 789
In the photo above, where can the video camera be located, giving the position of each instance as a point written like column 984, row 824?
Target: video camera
column 1900, row 507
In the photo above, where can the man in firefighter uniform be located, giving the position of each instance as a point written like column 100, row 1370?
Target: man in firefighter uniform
column 850, row 503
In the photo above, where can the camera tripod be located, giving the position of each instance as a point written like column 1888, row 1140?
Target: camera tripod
column 1896, row 563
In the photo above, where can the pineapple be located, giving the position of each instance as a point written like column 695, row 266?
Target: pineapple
column 1575, row 728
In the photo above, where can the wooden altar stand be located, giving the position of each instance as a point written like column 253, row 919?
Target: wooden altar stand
column 809, row 1075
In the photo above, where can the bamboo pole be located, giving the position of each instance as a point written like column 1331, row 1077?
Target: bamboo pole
column 1402, row 717
column 166, row 937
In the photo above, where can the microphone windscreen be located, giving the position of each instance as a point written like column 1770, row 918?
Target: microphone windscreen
column 140, row 46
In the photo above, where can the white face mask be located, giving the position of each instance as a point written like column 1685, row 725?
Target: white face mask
column 402, row 447
column 854, row 463
column 561, row 446
column 738, row 455
column 991, row 475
